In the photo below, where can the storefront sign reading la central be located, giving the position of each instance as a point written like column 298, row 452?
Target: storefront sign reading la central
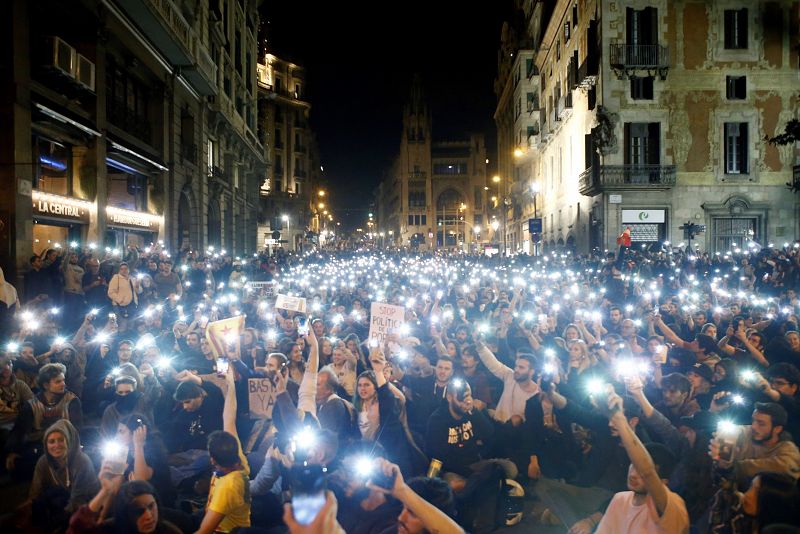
column 132, row 219
column 52, row 206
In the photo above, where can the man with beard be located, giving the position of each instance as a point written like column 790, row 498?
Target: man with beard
column 518, row 384
column 762, row 446
column 676, row 401
column 427, row 392
column 54, row 402
column 649, row 506
column 126, row 400
column 95, row 286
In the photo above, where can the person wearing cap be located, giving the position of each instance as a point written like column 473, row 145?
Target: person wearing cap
column 199, row 415
column 701, row 377
column 688, row 439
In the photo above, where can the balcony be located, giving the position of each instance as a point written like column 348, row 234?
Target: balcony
column 598, row 179
column 564, row 106
column 628, row 59
column 218, row 173
column 164, row 25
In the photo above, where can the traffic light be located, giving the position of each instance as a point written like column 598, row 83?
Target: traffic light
column 690, row 230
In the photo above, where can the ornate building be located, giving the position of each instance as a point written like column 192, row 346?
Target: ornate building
column 434, row 196
column 654, row 113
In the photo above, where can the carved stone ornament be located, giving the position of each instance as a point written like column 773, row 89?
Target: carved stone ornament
column 603, row 135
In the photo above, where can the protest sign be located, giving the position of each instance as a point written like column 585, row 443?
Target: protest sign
column 285, row 302
column 261, row 396
column 264, row 288
column 385, row 319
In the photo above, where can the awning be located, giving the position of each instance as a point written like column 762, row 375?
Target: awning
column 66, row 120
column 130, row 160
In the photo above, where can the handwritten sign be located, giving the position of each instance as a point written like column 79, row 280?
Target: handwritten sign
column 385, row 319
column 261, row 396
column 265, row 288
column 296, row 304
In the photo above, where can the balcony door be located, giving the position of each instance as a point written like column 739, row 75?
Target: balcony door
column 641, row 29
column 642, row 150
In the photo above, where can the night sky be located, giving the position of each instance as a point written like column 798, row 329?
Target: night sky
column 360, row 58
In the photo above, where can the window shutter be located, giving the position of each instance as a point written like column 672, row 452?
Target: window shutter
column 743, row 148
column 730, row 21
column 627, row 154
column 654, row 143
column 630, row 15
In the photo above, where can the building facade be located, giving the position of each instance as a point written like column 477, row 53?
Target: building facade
column 289, row 192
column 128, row 122
column 655, row 113
column 435, row 194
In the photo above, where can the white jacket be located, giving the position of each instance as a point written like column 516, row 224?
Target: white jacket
column 123, row 290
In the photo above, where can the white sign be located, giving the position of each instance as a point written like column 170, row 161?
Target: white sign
column 268, row 288
column 296, row 304
column 615, row 199
column 385, row 319
column 643, row 216
column 261, row 397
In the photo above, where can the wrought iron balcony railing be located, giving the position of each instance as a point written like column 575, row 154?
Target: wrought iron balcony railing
column 597, row 179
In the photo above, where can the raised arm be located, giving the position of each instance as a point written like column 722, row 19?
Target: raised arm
column 490, row 361
column 637, row 454
column 306, row 396
column 669, row 334
column 229, row 408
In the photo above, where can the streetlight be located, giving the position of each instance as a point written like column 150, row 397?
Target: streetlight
column 321, row 205
column 496, row 179
column 321, row 193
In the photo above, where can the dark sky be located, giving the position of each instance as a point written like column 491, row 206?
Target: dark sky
column 360, row 58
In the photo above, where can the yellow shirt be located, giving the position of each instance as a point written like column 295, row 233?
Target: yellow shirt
column 229, row 495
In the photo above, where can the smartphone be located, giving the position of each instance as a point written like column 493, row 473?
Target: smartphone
column 222, row 366
column 302, row 326
column 725, row 449
column 308, row 492
column 116, row 457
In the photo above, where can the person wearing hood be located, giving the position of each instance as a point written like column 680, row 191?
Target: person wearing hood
column 67, row 355
column 127, row 399
column 8, row 306
column 53, row 404
column 13, row 394
column 64, row 478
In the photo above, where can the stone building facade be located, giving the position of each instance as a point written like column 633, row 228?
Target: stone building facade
column 435, row 194
column 128, row 121
column 655, row 113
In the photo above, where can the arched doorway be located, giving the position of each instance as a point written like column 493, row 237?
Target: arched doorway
column 450, row 224
column 184, row 222
column 214, row 225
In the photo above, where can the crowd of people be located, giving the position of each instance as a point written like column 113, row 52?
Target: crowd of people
column 649, row 389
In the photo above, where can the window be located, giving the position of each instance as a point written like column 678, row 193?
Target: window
column 210, row 156
column 642, row 143
column 53, row 173
column 736, row 29
column 730, row 232
column 278, row 85
column 642, row 88
column 529, row 68
column 532, row 102
column 736, row 87
column 736, row 148
column 424, row 220
column 477, row 195
column 450, row 168
column 416, row 199
column 574, row 15
column 642, row 29
column 278, row 138
column 411, row 220
column 558, row 51
column 566, row 31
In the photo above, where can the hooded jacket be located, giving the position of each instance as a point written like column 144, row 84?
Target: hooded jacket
column 751, row 458
column 76, row 474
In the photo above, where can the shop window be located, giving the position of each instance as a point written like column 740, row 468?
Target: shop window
column 53, row 166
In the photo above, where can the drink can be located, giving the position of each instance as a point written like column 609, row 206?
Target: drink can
column 434, row 468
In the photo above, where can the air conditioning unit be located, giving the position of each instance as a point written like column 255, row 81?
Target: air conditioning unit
column 61, row 56
column 85, row 72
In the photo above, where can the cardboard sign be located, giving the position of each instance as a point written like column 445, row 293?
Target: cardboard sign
column 261, row 396
column 264, row 288
column 385, row 319
column 296, row 304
